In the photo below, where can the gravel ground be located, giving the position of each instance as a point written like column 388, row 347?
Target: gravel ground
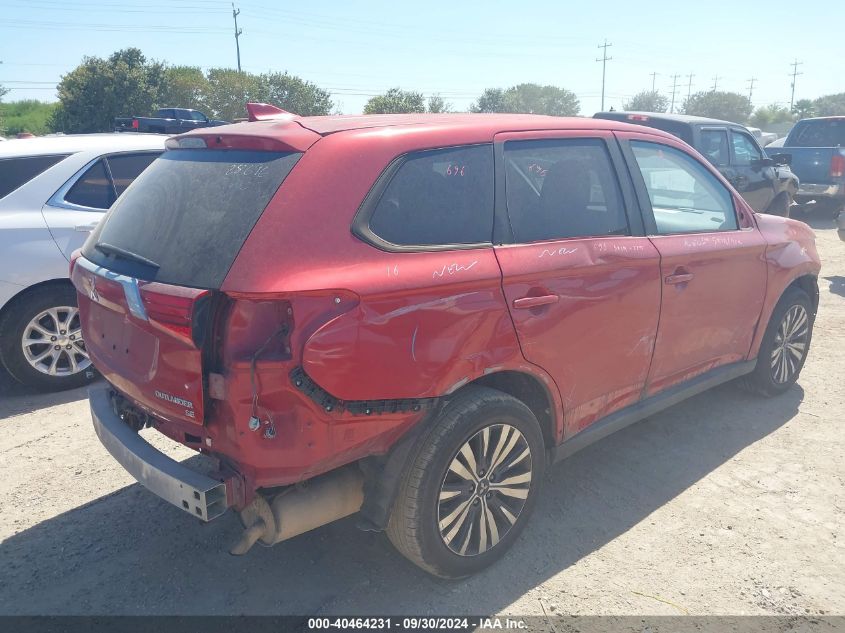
column 725, row 504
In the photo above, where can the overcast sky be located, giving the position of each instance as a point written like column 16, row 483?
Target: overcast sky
column 452, row 47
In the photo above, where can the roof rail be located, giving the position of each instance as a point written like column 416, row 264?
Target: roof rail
column 267, row 112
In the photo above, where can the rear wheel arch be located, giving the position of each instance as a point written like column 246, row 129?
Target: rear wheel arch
column 22, row 295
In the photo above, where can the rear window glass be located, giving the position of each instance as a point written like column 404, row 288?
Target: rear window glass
column 16, row 172
column 189, row 212
column 821, row 133
column 438, row 197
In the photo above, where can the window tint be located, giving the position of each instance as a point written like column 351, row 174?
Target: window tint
column 190, row 212
column 438, row 197
column 714, row 147
column 562, row 188
column 685, row 196
column 93, row 189
column 820, row 133
column 745, row 149
column 127, row 167
column 16, row 172
column 196, row 116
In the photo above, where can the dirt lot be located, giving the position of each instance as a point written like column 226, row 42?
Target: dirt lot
column 725, row 504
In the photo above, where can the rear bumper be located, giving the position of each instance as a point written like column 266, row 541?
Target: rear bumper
column 199, row 495
column 825, row 191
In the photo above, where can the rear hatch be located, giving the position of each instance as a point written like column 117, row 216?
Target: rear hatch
column 149, row 276
column 812, row 145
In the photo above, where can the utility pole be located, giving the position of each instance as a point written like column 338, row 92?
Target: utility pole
column 653, row 81
column 674, row 89
column 716, row 82
column 689, row 86
column 604, row 59
column 751, row 87
column 235, row 14
column 795, row 73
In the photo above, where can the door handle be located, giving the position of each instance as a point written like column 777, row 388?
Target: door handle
column 533, row 302
column 85, row 228
column 679, row 278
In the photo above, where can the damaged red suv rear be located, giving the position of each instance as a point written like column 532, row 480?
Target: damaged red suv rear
column 409, row 317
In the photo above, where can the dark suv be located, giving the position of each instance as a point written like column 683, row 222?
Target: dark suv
column 408, row 317
column 767, row 184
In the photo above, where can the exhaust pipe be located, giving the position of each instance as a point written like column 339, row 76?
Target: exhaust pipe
column 297, row 510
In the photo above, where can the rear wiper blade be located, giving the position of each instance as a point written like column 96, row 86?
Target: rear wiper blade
column 116, row 251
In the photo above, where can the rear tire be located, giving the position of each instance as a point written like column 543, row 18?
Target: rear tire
column 50, row 314
column 785, row 345
column 454, row 515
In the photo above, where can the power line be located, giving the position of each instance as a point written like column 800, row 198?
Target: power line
column 604, row 59
column 235, row 13
column 795, row 73
column 689, row 86
column 674, row 89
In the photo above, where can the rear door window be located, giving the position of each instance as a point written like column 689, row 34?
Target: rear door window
column 189, row 213
column 125, row 168
column 714, row 146
column 16, row 172
column 562, row 188
column 438, row 198
column 93, row 189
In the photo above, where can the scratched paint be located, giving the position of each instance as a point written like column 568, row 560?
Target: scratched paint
column 452, row 269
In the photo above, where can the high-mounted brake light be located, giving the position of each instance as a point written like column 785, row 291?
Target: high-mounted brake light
column 191, row 142
column 837, row 166
column 637, row 117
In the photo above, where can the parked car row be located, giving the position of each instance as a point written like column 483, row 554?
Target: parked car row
column 53, row 192
column 409, row 317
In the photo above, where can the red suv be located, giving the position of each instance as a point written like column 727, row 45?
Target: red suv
column 408, row 318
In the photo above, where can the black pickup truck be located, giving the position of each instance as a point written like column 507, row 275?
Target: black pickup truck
column 166, row 121
column 816, row 148
column 767, row 184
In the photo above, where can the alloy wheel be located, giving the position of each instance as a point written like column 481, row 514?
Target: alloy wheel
column 790, row 344
column 52, row 342
column 484, row 490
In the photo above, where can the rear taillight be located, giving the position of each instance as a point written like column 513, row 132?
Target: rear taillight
column 637, row 117
column 73, row 257
column 135, row 124
column 837, row 166
column 172, row 308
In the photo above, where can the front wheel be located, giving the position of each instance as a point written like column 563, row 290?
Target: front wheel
column 470, row 488
column 785, row 344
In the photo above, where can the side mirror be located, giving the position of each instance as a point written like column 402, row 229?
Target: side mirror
column 782, row 159
column 763, row 162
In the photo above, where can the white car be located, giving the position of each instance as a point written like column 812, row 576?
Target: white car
column 53, row 192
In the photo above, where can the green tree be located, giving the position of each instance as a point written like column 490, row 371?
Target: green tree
column 537, row 99
column 437, row 105
column 396, row 100
column 528, row 99
column 831, row 105
column 294, row 94
column 228, row 92
column 491, row 100
column 804, row 108
column 98, row 90
column 770, row 115
column 728, row 106
column 647, row 101
column 26, row 116
column 183, row 87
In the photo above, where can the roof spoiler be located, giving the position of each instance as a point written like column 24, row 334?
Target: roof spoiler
column 267, row 112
